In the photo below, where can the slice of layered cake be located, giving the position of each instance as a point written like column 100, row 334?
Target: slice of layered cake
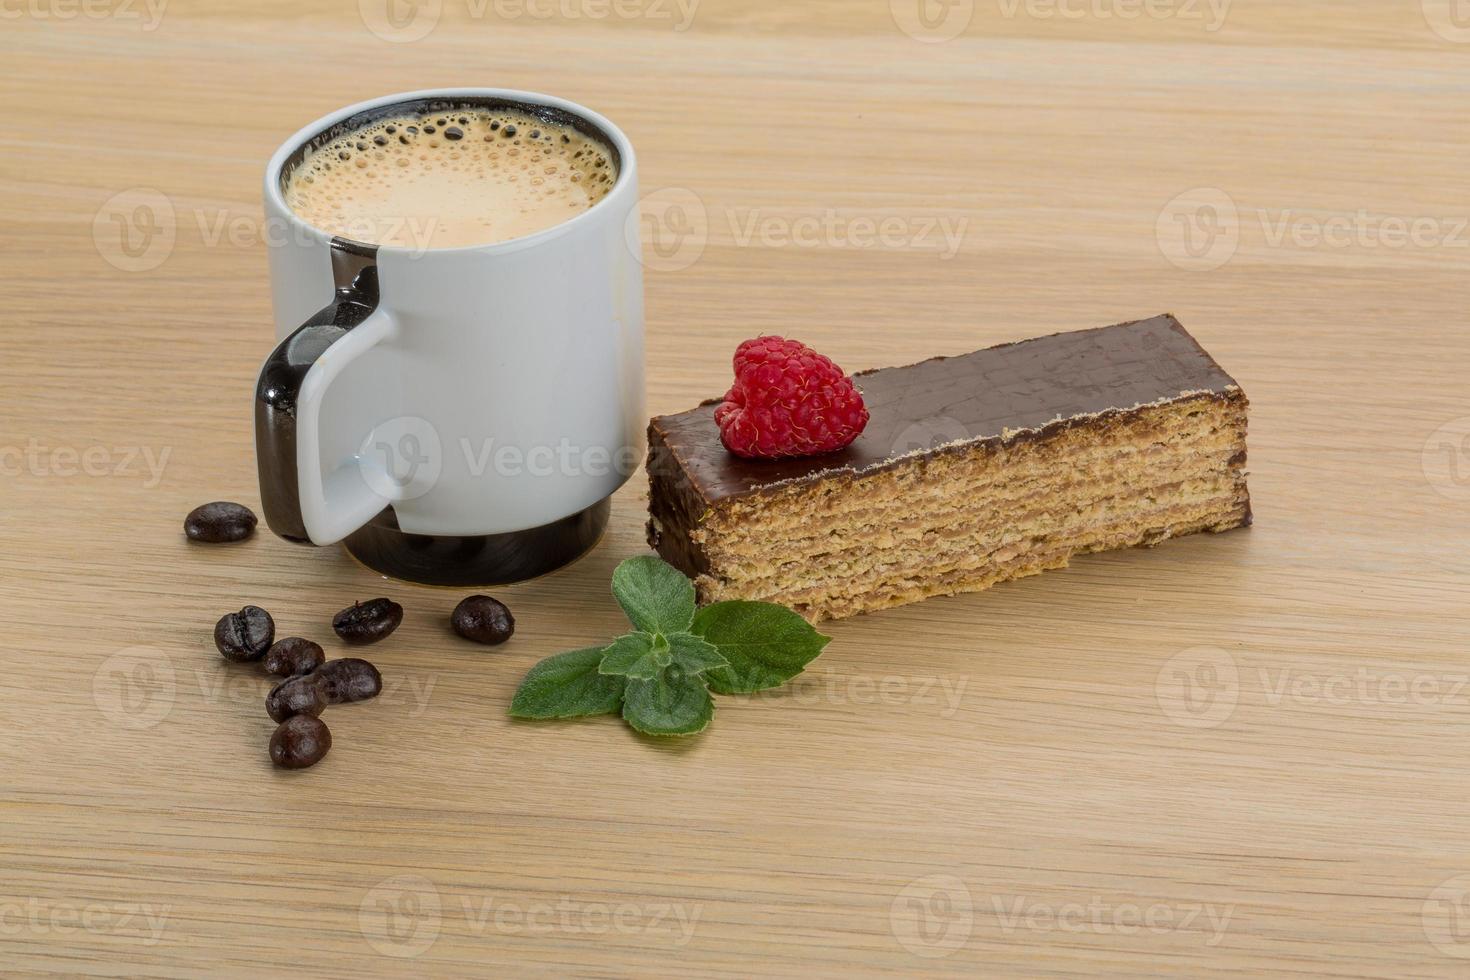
column 972, row 470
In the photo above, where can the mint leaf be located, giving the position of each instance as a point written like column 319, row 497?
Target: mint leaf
column 674, row 703
column 567, row 686
column 655, row 595
column 636, row 655
column 766, row 644
column 695, row 654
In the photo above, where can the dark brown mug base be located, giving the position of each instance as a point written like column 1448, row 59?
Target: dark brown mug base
column 476, row 560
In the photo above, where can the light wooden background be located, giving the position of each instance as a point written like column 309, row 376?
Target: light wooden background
column 1237, row 754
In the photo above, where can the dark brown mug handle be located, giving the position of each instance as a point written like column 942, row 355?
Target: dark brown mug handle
column 355, row 273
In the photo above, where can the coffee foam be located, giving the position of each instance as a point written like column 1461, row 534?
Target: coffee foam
column 450, row 179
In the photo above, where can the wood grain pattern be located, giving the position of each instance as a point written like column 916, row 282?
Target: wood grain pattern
column 1232, row 754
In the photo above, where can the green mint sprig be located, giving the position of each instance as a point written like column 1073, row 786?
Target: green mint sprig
column 661, row 674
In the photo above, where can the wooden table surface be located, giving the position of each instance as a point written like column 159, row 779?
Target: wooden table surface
column 1243, row 753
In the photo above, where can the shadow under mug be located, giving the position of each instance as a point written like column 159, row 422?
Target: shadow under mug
column 455, row 416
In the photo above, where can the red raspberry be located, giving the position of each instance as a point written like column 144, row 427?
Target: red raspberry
column 788, row 400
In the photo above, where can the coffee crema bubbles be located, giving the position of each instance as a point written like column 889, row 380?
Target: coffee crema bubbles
column 450, row 179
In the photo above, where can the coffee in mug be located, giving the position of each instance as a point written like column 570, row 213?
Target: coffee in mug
column 450, row 179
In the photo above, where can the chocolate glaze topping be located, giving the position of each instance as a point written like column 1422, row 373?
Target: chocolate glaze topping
column 999, row 393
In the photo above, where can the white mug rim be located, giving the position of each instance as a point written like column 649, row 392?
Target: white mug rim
column 626, row 170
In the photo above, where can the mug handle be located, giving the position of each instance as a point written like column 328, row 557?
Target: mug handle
column 303, row 503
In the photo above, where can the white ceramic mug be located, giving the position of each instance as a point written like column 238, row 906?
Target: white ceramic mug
column 459, row 415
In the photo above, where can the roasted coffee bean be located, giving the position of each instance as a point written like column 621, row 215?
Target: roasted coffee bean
column 347, row 680
column 300, row 742
column 296, row 696
column 368, row 622
column 292, row 656
column 483, row 619
column 245, row 635
column 219, row 522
